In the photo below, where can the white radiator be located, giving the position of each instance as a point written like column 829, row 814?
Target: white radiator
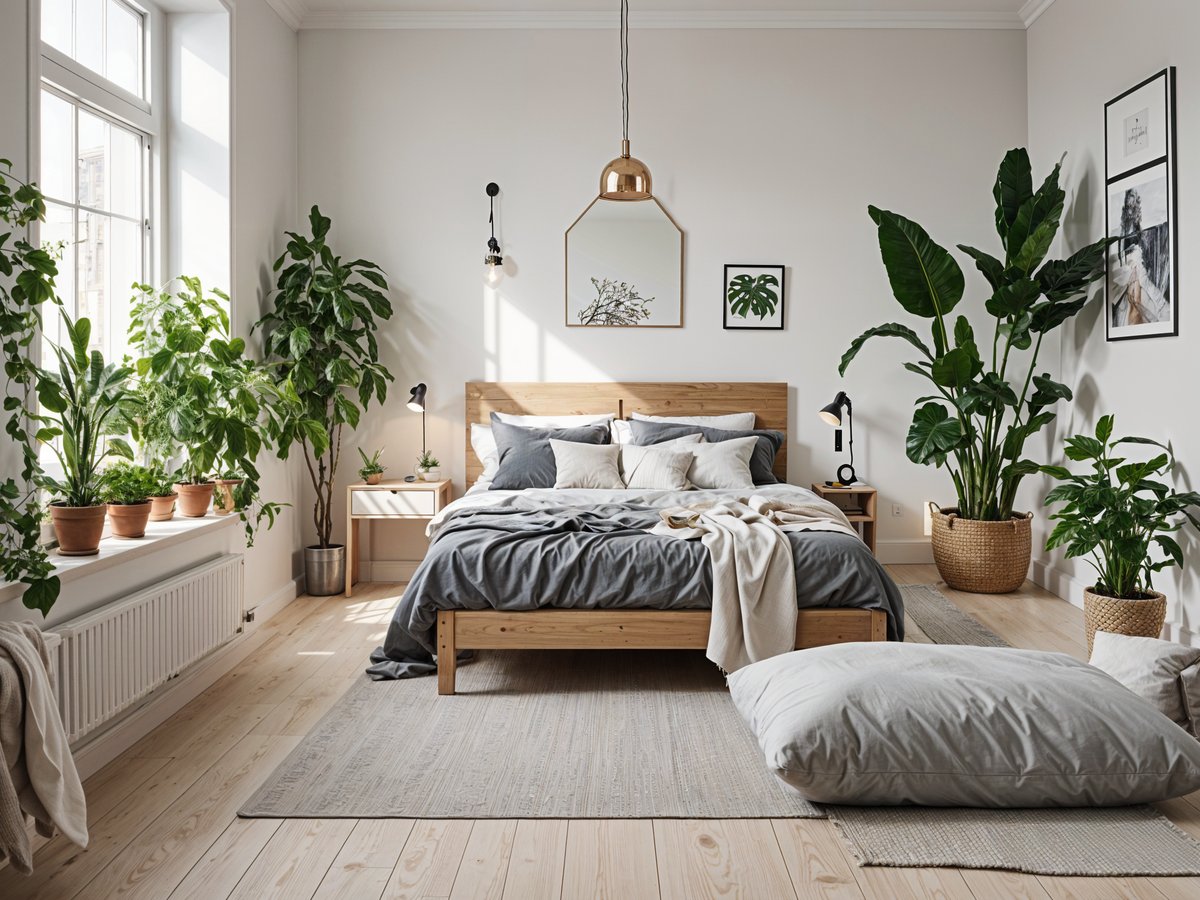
column 110, row 659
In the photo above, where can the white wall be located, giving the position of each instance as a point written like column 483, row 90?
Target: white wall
column 766, row 146
column 1083, row 53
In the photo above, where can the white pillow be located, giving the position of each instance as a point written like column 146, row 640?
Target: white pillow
column 725, row 465
column 483, row 442
column 586, row 465
column 554, row 421
column 887, row 724
column 731, row 422
column 1149, row 667
column 658, row 467
column 622, row 432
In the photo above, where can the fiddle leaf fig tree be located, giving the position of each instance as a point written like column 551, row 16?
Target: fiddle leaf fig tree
column 27, row 276
column 321, row 348
column 986, row 401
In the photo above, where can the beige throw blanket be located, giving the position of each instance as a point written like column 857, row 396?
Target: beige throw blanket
column 754, row 575
column 37, row 772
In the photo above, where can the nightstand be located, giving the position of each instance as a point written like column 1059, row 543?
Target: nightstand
column 389, row 500
column 860, row 498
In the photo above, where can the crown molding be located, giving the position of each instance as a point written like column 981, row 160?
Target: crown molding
column 682, row 19
column 1032, row 9
column 291, row 11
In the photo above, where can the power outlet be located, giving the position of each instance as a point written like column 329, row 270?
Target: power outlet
column 897, row 510
column 837, row 441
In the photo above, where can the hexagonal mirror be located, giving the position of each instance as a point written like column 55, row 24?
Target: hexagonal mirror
column 625, row 266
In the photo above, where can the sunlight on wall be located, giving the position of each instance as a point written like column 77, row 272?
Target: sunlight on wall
column 519, row 348
column 204, row 96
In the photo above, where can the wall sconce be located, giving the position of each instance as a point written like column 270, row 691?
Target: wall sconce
column 494, row 262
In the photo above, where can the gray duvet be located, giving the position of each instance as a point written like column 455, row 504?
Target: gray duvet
column 525, row 556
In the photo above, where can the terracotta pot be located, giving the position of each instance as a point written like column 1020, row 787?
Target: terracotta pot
column 981, row 557
column 79, row 528
column 1143, row 617
column 194, row 499
column 375, row 479
column 128, row 520
column 162, row 509
column 223, row 503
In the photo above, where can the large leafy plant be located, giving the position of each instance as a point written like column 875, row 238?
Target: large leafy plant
column 1113, row 514
column 85, row 411
column 200, row 399
column 987, row 402
column 27, row 276
column 321, row 347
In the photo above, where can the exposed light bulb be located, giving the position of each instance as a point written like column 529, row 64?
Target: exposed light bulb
column 493, row 270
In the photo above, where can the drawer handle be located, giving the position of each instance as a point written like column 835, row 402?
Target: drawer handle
column 394, row 491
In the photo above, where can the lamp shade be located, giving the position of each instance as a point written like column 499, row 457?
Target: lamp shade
column 416, row 400
column 831, row 413
column 625, row 178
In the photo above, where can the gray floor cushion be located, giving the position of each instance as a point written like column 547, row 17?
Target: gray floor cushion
column 890, row 724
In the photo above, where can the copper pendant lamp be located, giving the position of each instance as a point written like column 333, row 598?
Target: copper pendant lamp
column 626, row 177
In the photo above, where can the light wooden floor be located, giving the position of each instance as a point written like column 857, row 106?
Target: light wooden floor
column 163, row 816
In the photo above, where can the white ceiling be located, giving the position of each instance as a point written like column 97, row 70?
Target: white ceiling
column 660, row 13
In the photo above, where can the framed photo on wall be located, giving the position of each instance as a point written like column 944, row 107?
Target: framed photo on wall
column 1141, row 289
column 753, row 297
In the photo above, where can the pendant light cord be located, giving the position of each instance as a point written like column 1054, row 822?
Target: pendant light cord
column 625, row 69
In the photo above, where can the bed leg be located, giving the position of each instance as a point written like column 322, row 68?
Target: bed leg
column 447, row 657
column 878, row 625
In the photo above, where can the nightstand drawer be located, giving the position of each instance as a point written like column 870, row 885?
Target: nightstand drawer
column 393, row 503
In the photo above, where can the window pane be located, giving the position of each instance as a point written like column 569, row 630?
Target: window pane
column 93, row 153
column 124, row 40
column 56, row 24
column 58, row 238
column 89, row 34
column 110, row 260
column 110, row 166
column 58, row 152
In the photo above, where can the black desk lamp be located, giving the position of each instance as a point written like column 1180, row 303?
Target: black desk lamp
column 832, row 415
column 416, row 402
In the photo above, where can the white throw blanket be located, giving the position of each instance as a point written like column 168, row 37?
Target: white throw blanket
column 37, row 772
column 754, row 575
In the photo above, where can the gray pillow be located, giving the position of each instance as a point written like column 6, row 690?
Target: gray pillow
column 761, row 463
column 525, row 457
column 887, row 724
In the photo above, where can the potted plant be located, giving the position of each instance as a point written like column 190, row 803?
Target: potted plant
column 84, row 409
column 1111, row 517
column 27, row 276
column 428, row 466
column 127, row 488
column 987, row 397
column 162, row 496
column 321, row 350
column 371, row 471
column 224, row 501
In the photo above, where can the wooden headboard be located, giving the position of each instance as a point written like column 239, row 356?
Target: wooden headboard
column 767, row 399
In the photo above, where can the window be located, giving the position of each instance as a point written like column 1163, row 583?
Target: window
column 106, row 37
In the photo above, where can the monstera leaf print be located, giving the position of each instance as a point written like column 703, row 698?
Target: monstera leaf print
column 748, row 294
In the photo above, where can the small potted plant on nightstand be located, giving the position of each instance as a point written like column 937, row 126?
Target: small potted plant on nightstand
column 127, row 488
column 428, row 467
column 372, row 469
column 1111, row 516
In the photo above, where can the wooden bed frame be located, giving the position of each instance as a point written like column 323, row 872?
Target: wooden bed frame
column 569, row 629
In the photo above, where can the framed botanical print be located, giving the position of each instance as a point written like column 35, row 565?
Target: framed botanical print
column 753, row 297
column 1141, row 289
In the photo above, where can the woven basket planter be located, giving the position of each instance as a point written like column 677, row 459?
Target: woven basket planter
column 981, row 557
column 1139, row 618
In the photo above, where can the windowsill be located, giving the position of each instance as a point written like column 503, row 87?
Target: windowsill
column 114, row 551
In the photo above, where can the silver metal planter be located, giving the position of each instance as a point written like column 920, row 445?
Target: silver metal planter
column 325, row 570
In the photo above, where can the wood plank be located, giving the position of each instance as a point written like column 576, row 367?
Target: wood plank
column 719, row 858
column 484, row 866
column 535, row 865
column 222, row 867
column 816, row 859
column 610, row 859
column 447, row 655
column 988, row 883
column 295, row 860
column 913, row 884
column 430, row 860
column 365, row 863
column 1079, row 888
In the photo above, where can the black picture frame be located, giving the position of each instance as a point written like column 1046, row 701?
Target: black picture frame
column 1132, row 174
column 731, row 322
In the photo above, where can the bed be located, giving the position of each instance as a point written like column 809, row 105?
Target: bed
column 574, row 569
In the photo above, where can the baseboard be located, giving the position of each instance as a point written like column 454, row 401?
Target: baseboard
column 387, row 570
column 906, row 551
column 163, row 703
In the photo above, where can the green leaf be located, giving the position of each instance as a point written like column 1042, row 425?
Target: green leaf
column 1048, row 392
column 1048, row 316
column 1064, row 279
column 1014, row 299
column 1170, row 547
column 955, row 369
column 1080, row 447
column 925, row 278
column 991, row 268
column 1014, row 186
column 750, row 294
column 891, row 329
column 320, row 224
column 1058, row 472
column 1035, row 225
column 1104, row 428
column 300, row 340
column 932, row 435
column 41, row 593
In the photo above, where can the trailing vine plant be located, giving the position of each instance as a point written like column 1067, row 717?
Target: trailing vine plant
column 27, row 276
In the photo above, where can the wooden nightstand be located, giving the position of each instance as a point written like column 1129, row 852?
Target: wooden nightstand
column 392, row 500
column 860, row 497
